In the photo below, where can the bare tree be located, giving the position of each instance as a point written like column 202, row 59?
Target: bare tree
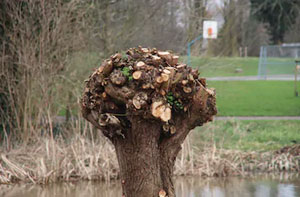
column 240, row 29
column 37, row 39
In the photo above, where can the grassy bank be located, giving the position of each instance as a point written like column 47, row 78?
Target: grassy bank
column 222, row 148
column 258, row 135
column 256, row 98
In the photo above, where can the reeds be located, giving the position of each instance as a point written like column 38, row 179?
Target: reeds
column 85, row 155
column 79, row 152
column 212, row 161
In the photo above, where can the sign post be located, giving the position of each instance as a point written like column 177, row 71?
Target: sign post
column 210, row 31
column 297, row 69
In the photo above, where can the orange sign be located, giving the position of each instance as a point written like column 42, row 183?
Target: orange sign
column 210, row 31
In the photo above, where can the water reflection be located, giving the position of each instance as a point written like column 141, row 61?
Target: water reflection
column 253, row 186
column 79, row 189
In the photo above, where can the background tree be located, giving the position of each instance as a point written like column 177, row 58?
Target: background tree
column 240, row 29
column 293, row 34
column 280, row 15
column 36, row 40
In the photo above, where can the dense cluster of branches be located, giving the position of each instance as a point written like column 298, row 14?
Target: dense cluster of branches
column 146, row 103
column 143, row 82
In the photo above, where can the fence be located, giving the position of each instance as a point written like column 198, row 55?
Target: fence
column 278, row 60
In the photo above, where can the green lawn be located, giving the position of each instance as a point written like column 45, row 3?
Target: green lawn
column 256, row 98
column 224, row 66
column 260, row 135
column 227, row 66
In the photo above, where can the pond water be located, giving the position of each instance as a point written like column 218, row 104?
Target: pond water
column 283, row 185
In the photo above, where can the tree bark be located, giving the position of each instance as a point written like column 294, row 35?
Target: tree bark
column 147, row 159
column 139, row 159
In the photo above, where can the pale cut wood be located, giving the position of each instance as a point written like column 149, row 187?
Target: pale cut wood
column 162, row 193
column 166, row 71
column 165, row 77
column 136, row 103
column 159, row 79
column 181, row 66
column 211, row 91
column 145, row 50
column 140, row 64
column 137, row 74
column 184, row 82
column 175, row 59
column 166, row 114
column 187, row 90
column 166, row 55
column 154, row 111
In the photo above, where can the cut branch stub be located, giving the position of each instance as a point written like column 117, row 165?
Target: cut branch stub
column 137, row 74
column 117, row 77
column 161, row 110
column 140, row 100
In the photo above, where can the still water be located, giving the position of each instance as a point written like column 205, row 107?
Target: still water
column 284, row 185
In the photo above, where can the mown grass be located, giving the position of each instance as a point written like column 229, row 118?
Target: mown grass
column 224, row 66
column 229, row 66
column 256, row 98
column 258, row 135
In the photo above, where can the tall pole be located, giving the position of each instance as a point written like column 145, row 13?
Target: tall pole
column 297, row 68
column 189, row 49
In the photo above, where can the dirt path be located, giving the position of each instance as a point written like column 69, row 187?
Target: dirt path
column 62, row 119
column 257, row 118
column 253, row 78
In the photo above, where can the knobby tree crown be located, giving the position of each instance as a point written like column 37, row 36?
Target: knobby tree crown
column 146, row 102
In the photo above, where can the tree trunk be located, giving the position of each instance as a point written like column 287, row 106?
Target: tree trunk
column 146, row 161
column 139, row 159
column 147, row 117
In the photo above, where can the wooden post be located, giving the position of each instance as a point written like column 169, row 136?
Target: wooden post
column 246, row 52
column 297, row 68
column 241, row 51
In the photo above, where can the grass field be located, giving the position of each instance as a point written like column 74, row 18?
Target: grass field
column 259, row 135
column 224, row 66
column 256, row 98
column 227, row 66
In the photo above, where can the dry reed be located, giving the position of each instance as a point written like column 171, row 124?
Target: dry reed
column 85, row 155
column 81, row 153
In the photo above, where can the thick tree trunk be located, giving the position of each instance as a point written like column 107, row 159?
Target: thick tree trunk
column 147, row 159
column 139, row 159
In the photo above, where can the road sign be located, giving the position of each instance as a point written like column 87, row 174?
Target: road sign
column 210, row 29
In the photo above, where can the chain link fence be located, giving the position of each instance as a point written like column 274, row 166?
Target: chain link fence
column 278, row 60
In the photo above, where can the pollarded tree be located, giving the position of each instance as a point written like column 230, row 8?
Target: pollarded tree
column 146, row 103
